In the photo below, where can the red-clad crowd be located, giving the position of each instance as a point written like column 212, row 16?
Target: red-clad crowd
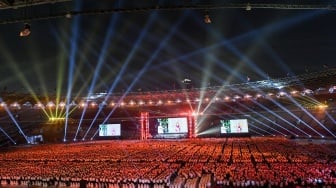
column 220, row 162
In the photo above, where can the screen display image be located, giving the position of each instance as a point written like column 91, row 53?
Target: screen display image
column 234, row 126
column 172, row 125
column 109, row 130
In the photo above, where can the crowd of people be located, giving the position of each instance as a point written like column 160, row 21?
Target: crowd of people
column 215, row 162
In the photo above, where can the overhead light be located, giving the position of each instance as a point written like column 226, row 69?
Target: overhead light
column 68, row 15
column 25, row 31
column 248, row 7
column 186, row 81
column 207, row 18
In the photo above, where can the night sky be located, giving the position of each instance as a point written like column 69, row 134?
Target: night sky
column 156, row 50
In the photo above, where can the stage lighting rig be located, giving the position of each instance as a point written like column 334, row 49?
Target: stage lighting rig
column 25, row 31
column 207, row 18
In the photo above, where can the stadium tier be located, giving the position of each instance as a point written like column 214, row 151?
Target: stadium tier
column 279, row 107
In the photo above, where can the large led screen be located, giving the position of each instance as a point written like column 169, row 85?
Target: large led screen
column 172, row 125
column 109, row 130
column 234, row 126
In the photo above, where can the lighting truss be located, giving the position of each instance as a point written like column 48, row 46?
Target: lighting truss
column 157, row 7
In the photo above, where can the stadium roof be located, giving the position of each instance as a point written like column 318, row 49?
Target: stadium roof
column 82, row 47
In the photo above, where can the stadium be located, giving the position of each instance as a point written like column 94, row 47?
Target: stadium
column 239, row 131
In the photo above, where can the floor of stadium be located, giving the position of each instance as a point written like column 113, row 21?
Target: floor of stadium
column 206, row 162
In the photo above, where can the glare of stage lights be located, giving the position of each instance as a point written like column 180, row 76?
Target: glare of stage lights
column 247, row 96
column 56, row 119
column 258, row 95
column 282, row 94
column 62, row 104
column 196, row 114
column 227, row 98
column 15, row 105
column 270, row 94
column 93, row 104
column 50, row 104
column 25, row 31
column 39, row 105
column 132, row 103
column 236, row 97
column 83, row 104
column 322, row 106
column 307, row 92
column 294, row 92
column 332, row 89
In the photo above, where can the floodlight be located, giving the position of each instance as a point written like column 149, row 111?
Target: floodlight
column 25, row 31
column 207, row 18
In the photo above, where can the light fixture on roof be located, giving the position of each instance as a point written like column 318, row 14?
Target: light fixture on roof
column 186, row 81
column 207, row 18
column 25, row 31
column 68, row 15
column 248, row 7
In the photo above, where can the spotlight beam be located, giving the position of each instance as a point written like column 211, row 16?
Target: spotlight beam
column 15, row 122
column 19, row 74
column 273, row 113
column 101, row 60
column 305, row 111
column 265, row 108
column 252, row 125
column 149, row 62
column 264, row 117
column 260, row 129
column 275, row 27
column 72, row 61
column 255, row 132
column 92, row 122
column 312, row 117
column 7, row 135
column 278, row 116
column 95, row 134
column 125, row 64
column 330, row 117
column 254, row 119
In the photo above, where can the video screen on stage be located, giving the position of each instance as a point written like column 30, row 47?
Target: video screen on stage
column 109, row 130
column 172, row 125
column 234, row 126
